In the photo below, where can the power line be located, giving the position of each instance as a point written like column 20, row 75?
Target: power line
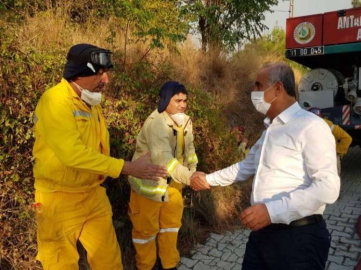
column 277, row 10
column 291, row 10
column 292, row 7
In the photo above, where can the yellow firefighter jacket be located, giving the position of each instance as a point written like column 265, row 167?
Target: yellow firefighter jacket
column 343, row 139
column 71, row 143
column 159, row 137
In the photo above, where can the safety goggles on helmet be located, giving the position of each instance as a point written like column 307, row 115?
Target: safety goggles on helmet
column 101, row 58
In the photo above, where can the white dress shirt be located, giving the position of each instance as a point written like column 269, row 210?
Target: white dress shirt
column 294, row 163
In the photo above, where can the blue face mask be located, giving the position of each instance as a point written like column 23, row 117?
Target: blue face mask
column 258, row 100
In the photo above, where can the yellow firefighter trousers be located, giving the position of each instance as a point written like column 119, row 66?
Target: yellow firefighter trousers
column 160, row 220
column 63, row 218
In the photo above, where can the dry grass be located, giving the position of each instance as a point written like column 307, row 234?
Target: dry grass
column 18, row 248
column 39, row 35
column 211, row 72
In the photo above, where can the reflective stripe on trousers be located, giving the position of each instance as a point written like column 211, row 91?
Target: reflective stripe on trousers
column 145, row 241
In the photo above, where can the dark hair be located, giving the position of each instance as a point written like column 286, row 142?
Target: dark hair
column 282, row 72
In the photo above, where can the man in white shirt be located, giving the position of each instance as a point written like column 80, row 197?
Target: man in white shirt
column 295, row 176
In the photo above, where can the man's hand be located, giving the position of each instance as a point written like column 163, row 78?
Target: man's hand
column 255, row 217
column 199, row 182
column 142, row 168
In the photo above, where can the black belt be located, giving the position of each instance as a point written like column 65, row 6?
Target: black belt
column 298, row 223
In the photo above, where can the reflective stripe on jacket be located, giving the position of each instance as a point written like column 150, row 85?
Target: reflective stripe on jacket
column 159, row 137
column 71, row 143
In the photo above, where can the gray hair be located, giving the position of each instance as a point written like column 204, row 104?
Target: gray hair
column 282, row 72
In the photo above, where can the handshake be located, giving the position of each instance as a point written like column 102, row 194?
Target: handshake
column 199, row 182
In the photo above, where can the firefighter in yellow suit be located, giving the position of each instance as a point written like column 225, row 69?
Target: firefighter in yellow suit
column 155, row 209
column 343, row 142
column 343, row 139
column 72, row 159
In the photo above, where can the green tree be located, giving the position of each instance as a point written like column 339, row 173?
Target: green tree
column 274, row 43
column 356, row 3
column 159, row 20
column 271, row 45
column 226, row 23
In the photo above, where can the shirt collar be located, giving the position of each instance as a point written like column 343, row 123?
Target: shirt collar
column 267, row 122
column 284, row 116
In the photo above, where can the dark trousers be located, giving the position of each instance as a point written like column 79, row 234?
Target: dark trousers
column 291, row 248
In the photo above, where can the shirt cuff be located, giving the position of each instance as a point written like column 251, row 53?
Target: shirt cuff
column 210, row 178
column 273, row 208
column 115, row 167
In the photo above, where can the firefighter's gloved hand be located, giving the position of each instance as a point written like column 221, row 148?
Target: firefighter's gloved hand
column 142, row 168
column 199, row 182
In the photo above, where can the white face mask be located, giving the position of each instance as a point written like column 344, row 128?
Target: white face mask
column 92, row 98
column 178, row 118
column 258, row 100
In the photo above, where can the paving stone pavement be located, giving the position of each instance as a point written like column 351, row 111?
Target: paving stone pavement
column 225, row 252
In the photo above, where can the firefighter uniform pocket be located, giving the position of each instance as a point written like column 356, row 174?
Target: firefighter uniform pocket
column 134, row 209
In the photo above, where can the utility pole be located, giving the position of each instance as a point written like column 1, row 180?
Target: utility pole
column 292, row 6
